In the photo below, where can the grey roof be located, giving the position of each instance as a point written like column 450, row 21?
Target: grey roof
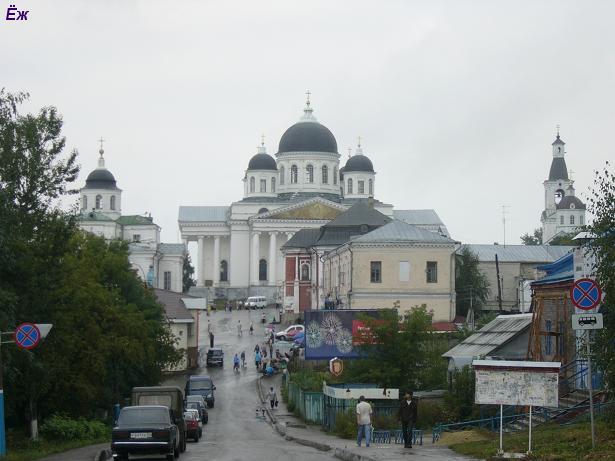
column 308, row 136
column 518, row 253
column 359, row 162
column 399, row 231
column 174, row 307
column 358, row 214
column 172, row 248
column 558, row 170
column 262, row 162
column 303, row 238
column 496, row 333
column 418, row 217
column 100, row 178
column 135, row 220
column 557, row 141
column 569, row 200
column 203, row 213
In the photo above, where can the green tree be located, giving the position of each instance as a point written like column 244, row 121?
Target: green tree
column 188, row 274
column 534, row 239
column 563, row 239
column 471, row 285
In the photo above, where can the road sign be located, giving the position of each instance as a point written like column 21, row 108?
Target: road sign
column 585, row 294
column 27, row 336
column 587, row 321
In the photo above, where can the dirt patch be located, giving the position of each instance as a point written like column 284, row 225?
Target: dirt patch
column 451, row 438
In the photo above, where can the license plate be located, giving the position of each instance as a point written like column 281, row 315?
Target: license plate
column 140, row 435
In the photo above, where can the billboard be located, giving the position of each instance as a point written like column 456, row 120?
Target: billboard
column 337, row 333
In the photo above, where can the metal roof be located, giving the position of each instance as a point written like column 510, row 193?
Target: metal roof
column 174, row 307
column 93, row 216
column 418, row 217
column 401, row 232
column 132, row 220
column 172, row 248
column 358, row 214
column 303, row 238
column 203, row 213
column 558, row 169
column 558, row 271
column 518, row 253
column 496, row 333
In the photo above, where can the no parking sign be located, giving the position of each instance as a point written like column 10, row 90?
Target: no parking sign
column 27, row 336
column 585, row 294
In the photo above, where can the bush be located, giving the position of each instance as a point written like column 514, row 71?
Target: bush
column 59, row 427
column 346, row 424
column 383, row 422
column 429, row 413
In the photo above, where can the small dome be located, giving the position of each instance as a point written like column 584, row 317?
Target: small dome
column 262, row 162
column 308, row 137
column 570, row 202
column 100, row 178
column 359, row 162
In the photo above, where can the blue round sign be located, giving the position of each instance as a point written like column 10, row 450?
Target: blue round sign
column 585, row 294
column 27, row 336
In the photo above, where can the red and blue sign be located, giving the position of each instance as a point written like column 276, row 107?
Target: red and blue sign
column 27, row 336
column 585, row 294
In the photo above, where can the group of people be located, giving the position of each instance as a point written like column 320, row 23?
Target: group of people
column 236, row 361
column 407, row 414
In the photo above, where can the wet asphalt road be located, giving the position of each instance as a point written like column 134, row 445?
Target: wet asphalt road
column 234, row 432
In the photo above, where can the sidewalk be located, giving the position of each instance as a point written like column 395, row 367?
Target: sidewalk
column 294, row 430
column 88, row 453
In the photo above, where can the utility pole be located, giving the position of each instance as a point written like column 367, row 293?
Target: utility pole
column 497, row 272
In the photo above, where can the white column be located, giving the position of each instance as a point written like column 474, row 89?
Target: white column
column 273, row 256
column 201, row 262
column 216, row 260
column 185, row 242
column 255, row 257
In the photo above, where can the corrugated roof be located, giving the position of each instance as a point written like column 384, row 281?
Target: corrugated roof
column 358, row 214
column 303, row 238
column 496, row 333
column 518, row 253
column 415, row 217
column 129, row 220
column 172, row 248
column 558, row 271
column 174, row 307
column 399, row 231
column 194, row 303
column 203, row 213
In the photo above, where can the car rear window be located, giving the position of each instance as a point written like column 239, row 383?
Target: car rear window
column 200, row 384
column 137, row 416
column 189, row 415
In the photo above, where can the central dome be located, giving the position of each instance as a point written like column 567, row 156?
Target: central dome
column 308, row 137
column 100, row 178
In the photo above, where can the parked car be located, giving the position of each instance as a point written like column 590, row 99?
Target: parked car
column 254, row 302
column 145, row 430
column 198, row 403
column 201, row 385
column 290, row 332
column 215, row 356
column 194, row 427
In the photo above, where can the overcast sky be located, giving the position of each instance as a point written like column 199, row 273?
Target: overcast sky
column 456, row 101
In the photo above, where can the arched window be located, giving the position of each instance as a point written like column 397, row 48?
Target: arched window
column 294, row 173
column 310, row 173
column 273, row 185
column 325, row 174
column 571, row 219
column 84, row 202
column 361, row 187
column 349, row 188
column 223, row 271
column 263, row 185
column 335, row 173
column 282, row 171
column 112, row 202
column 561, row 219
column 98, row 202
column 371, row 187
column 305, row 272
column 252, row 184
column 262, row 270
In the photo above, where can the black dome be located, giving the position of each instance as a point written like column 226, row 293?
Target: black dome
column 359, row 162
column 101, row 178
column 308, row 137
column 570, row 202
column 262, row 162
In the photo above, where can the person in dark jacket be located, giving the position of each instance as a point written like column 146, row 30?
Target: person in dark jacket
column 407, row 416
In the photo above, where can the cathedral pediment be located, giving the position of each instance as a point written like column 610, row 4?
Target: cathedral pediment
column 312, row 210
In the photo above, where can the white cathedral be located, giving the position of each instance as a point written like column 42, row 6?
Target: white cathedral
column 302, row 187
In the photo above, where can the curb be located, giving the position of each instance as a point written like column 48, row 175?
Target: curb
column 342, row 453
column 260, row 396
column 103, row 455
column 309, row 443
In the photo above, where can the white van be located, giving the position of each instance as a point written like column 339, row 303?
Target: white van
column 256, row 301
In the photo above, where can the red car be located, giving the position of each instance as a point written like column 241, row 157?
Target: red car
column 194, row 430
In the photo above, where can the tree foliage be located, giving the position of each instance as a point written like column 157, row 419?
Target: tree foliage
column 534, row 239
column 187, row 274
column 471, row 285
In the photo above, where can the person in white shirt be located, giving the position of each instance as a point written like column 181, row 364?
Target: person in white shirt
column 364, row 421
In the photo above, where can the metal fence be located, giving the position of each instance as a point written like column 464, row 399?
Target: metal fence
column 309, row 404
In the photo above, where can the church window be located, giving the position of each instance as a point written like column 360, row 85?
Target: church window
column 349, row 188
column 167, row 280
column 98, row 202
column 84, row 202
column 294, row 173
column 371, row 187
column 112, row 204
column 273, row 185
column 282, row 171
column 325, row 174
column 136, row 237
column 262, row 270
column 582, row 220
column 335, row 173
column 310, row 173
column 252, row 184
column 561, row 219
column 571, row 219
column 263, row 185
column 375, row 271
column 305, row 272
column 432, row 272
column 223, row 271
column 361, row 187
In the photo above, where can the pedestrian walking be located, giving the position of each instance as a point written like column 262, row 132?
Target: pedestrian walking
column 211, row 339
column 364, row 421
column 257, row 359
column 407, row 415
column 257, row 348
column 239, row 330
column 236, row 363
column 243, row 359
column 271, row 349
column 272, row 397
column 251, row 327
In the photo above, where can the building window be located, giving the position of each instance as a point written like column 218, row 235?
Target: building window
column 325, row 174
column 562, row 339
column 136, row 237
column 167, row 280
column 371, row 187
column 582, row 220
column 273, row 185
column 335, row 173
column 252, row 184
column 263, row 185
column 305, row 272
column 548, row 337
column 361, row 187
column 262, row 270
column 112, row 204
column 223, row 271
column 349, row 188
column 571, row 219
column 404, row 271
column 294, row 173
column 282, row 171
column 84, row 202
column 310, row 173
column 561, row 219
column 98, row 202
column 432, row 272
column 375, row 271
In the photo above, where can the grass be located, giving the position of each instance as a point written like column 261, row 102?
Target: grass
column 549, row 442
column 28, row 450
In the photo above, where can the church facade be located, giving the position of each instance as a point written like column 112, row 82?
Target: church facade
column 303, row 187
